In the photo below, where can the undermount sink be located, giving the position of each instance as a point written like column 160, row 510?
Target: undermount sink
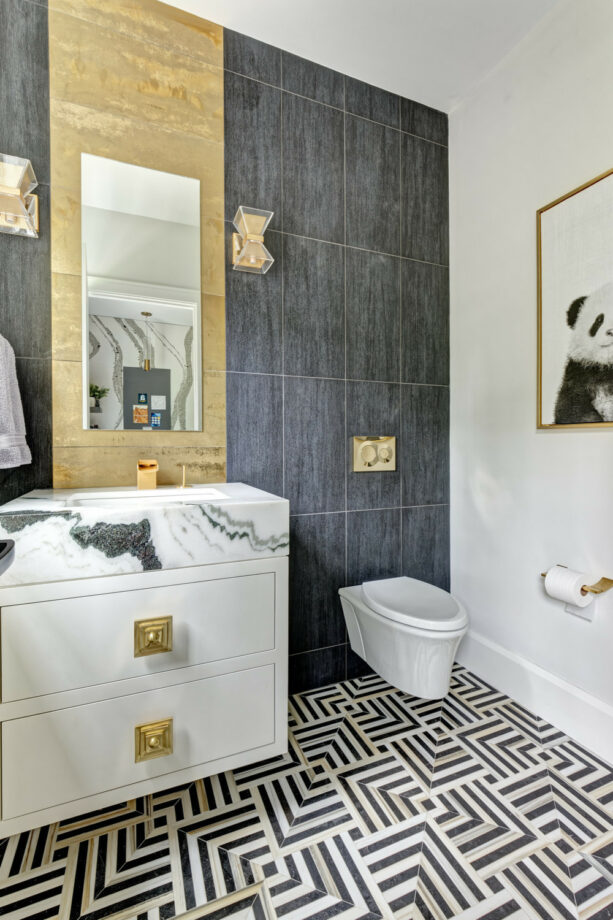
column 110, row 497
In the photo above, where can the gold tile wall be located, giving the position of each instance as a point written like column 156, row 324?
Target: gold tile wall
column 141, row 82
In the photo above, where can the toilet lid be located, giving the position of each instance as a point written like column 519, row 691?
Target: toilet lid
column 414, row 603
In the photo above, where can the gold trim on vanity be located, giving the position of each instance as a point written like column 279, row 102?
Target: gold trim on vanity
column 152, row 636
column 153, row 739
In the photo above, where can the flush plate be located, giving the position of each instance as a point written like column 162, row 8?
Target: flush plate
column 374, row 453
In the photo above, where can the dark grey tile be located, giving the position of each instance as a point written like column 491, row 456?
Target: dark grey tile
column 313, row 308
column 34, row 378
column 356, row 666
column 372, row 409
column 252, row 58
column 373, row 545
column 372, row 102
column 373, row 316
column 312, row 80
column 252, row 128
column 425, row 544
column 254, row 420
column 254, row 313
column 373, row 185
column 317, row 571
column 424, row 451
column 423, row 121
column 424, row 201
column 314, row 434
column 25, row 288
column 425, row 323
column 24, row 84
column 316, row 669
column 313, row 166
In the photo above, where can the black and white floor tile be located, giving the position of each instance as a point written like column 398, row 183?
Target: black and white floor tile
column 385, row 807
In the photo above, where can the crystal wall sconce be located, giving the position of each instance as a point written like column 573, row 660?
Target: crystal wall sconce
column 18, row 206
column 249, row 254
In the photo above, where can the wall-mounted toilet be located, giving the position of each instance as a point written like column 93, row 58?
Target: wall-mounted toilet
column 407, row 631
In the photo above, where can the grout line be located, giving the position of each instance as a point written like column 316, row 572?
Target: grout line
column 283, row 470
column 336, row 108
column 320, row 648
column 397, row 383
column 377, row 252
column 368, row 510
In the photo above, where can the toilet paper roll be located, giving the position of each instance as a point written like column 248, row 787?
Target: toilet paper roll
column 565, row 585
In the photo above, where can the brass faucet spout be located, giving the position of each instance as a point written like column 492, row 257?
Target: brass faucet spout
column 147, row 474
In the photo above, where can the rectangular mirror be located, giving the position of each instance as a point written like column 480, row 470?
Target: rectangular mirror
column 140, row 235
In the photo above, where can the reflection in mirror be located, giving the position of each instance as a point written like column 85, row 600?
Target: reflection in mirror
column 140, row 233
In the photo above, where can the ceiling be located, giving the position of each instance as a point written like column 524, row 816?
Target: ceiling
column 434, row 51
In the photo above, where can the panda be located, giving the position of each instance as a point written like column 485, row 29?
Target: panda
column 586, row 391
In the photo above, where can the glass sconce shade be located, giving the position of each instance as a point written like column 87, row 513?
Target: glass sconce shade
column 248, row 251
column 18, row 206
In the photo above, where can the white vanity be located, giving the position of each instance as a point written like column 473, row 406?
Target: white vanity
column 143, row 643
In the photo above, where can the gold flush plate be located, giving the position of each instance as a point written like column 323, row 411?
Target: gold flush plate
column 152, row 636
column 153, row 739
column 374, row 453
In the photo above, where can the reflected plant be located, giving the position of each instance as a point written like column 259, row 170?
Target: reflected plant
column 97, row 392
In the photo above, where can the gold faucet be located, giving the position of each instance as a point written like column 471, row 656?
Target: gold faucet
column 147, row 474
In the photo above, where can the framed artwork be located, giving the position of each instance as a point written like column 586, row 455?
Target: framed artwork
column 575, row 307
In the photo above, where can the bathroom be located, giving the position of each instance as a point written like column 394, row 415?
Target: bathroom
column 379, row 413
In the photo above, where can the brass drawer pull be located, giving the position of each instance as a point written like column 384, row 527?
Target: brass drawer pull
column 153, row 739
column 152, row 636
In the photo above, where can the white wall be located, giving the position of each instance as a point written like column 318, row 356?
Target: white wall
column 540, row 125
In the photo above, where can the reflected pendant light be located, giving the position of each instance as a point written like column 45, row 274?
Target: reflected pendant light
column 147, row 360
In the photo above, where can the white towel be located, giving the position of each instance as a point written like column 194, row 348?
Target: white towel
column 13, row 448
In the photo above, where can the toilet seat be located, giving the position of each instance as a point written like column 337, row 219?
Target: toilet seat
column 414, row 603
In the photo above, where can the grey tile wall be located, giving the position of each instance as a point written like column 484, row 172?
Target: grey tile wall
column 25, row 279
column 346, row 335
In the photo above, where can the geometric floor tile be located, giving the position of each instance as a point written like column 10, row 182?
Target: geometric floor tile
column 583, row 771
column 385, row 807
column 541, row 884
column 592, row 885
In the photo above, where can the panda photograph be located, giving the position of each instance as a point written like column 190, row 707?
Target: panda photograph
column 575, row 299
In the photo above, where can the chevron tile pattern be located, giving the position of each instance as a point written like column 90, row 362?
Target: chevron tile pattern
column 385, row 807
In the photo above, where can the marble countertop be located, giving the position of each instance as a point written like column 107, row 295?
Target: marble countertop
column 57, row 539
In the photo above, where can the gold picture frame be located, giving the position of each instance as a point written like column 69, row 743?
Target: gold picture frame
column 547, row 417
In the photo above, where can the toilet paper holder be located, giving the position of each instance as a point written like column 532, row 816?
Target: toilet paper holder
column 602, row 585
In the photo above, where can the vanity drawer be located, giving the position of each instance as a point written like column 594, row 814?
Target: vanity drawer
column 77, row 642
column 61, row 756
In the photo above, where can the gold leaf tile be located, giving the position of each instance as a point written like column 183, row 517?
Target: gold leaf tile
column 66, row 317
column 214, row 408
column 151, row 21
column 97, row 67
column 213, row 256
column 141, row 82
column 213, row 332
column 76, row 129
column 89, row 467
column 65, row 232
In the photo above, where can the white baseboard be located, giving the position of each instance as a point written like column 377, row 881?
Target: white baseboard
column 583, row 717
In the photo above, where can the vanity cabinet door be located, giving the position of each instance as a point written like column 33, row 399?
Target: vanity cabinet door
column 59, row 757
column 51, row 646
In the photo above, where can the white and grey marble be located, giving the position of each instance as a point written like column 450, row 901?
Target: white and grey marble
column 57, row 539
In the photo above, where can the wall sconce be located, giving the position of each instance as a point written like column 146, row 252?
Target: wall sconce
column 18, row 207
column 249, row 254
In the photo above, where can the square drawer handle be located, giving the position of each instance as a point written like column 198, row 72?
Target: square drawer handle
column 152, row 739
column 152, row 636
